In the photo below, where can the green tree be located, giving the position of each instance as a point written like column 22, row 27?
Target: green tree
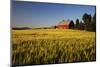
column 71, row 25
column 81, row 26
column 77, row 24
column 87, row 21
column 94, row 23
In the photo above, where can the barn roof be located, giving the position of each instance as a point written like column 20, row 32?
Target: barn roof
column 63, row 22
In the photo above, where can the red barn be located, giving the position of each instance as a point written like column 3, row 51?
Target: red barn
column 63, row 25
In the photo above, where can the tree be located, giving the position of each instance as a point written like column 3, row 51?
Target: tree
column 71, row 25
column 87, row 21
column 77, row 24
column 81, row 26
column 94, row 23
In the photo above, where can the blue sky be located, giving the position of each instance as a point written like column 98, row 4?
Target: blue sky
column 33, row 14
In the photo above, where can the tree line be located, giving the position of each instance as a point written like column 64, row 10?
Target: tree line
column 88, row 23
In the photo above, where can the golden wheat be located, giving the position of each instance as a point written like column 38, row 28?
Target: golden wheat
column 46, row 46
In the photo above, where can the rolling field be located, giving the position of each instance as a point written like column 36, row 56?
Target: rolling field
column 47, row 46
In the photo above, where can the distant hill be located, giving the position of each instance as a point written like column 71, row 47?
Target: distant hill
column 25, row 28
column 20, row 28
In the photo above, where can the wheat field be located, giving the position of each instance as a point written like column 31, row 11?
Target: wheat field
column 49, row 46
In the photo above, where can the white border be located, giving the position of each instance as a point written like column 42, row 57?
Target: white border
column 5, row 33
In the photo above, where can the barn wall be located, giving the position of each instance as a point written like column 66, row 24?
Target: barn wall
column 63, row 26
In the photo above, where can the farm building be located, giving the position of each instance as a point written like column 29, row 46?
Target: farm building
column 63, row 25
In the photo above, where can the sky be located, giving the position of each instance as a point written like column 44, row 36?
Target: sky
column 37, row 14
